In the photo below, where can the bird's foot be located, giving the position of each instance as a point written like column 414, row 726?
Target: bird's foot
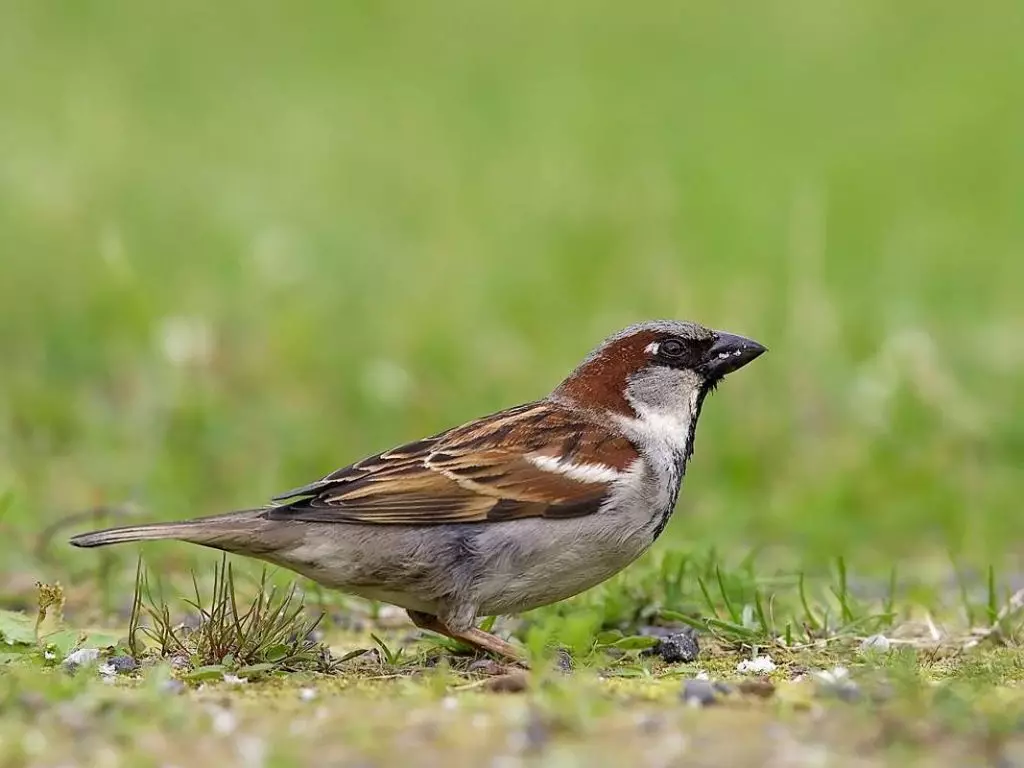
column 474, row 637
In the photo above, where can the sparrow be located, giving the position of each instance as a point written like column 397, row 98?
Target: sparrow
column 512, row 511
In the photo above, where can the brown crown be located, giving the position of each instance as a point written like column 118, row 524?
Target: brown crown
column 600, row 381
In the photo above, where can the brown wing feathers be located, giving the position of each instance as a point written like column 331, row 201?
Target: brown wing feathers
column 484, row 471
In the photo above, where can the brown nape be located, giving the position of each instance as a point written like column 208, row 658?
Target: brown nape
column 600, row 381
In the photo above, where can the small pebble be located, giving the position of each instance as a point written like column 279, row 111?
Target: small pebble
column 759, row 665
column 876, row 643
column 123, row 664
column 703, row 693
column 848, row 692
column 514, row 682
column 833, row 676
column 82, row 656
column 307, row 694
column 172, row 686
column 882, row 692
column 677, row 648
column 649, row 723
column 836, row 683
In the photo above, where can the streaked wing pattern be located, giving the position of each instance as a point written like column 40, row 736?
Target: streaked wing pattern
column 537, row 460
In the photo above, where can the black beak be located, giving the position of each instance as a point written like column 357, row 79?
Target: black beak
column 729, row 353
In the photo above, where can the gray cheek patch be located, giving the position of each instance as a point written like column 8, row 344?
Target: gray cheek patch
column 665, row 389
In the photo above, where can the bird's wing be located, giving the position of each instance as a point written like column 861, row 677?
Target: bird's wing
column 538, row 460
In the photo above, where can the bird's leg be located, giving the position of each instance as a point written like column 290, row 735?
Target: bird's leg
column 475, row 637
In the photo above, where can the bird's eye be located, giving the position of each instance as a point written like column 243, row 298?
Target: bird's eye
column 671, row 348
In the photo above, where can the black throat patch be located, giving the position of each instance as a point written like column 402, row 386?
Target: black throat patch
column 679, row 462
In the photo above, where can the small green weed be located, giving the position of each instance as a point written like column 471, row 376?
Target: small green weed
column 271, row 633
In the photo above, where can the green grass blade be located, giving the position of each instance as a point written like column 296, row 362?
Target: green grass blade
column 733, row 614
column 809, row 618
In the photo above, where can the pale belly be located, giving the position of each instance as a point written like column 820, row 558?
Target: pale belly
column 514, row 566
column 519, row 565
column 557, row 563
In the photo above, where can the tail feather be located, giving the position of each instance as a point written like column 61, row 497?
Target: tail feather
column 203, row 530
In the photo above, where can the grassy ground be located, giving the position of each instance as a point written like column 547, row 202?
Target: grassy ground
column 243, row 245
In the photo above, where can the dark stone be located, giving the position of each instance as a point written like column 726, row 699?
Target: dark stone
column 678, row 647
column 123, row 664
column 703, row 693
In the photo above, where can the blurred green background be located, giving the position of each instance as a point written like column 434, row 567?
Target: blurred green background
column 246, row 243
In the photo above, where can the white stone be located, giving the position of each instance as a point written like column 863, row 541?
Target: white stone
column 759, row 665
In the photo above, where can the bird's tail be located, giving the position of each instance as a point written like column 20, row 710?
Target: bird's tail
column 215, row 531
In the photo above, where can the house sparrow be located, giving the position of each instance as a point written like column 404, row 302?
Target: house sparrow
column 513, row 511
